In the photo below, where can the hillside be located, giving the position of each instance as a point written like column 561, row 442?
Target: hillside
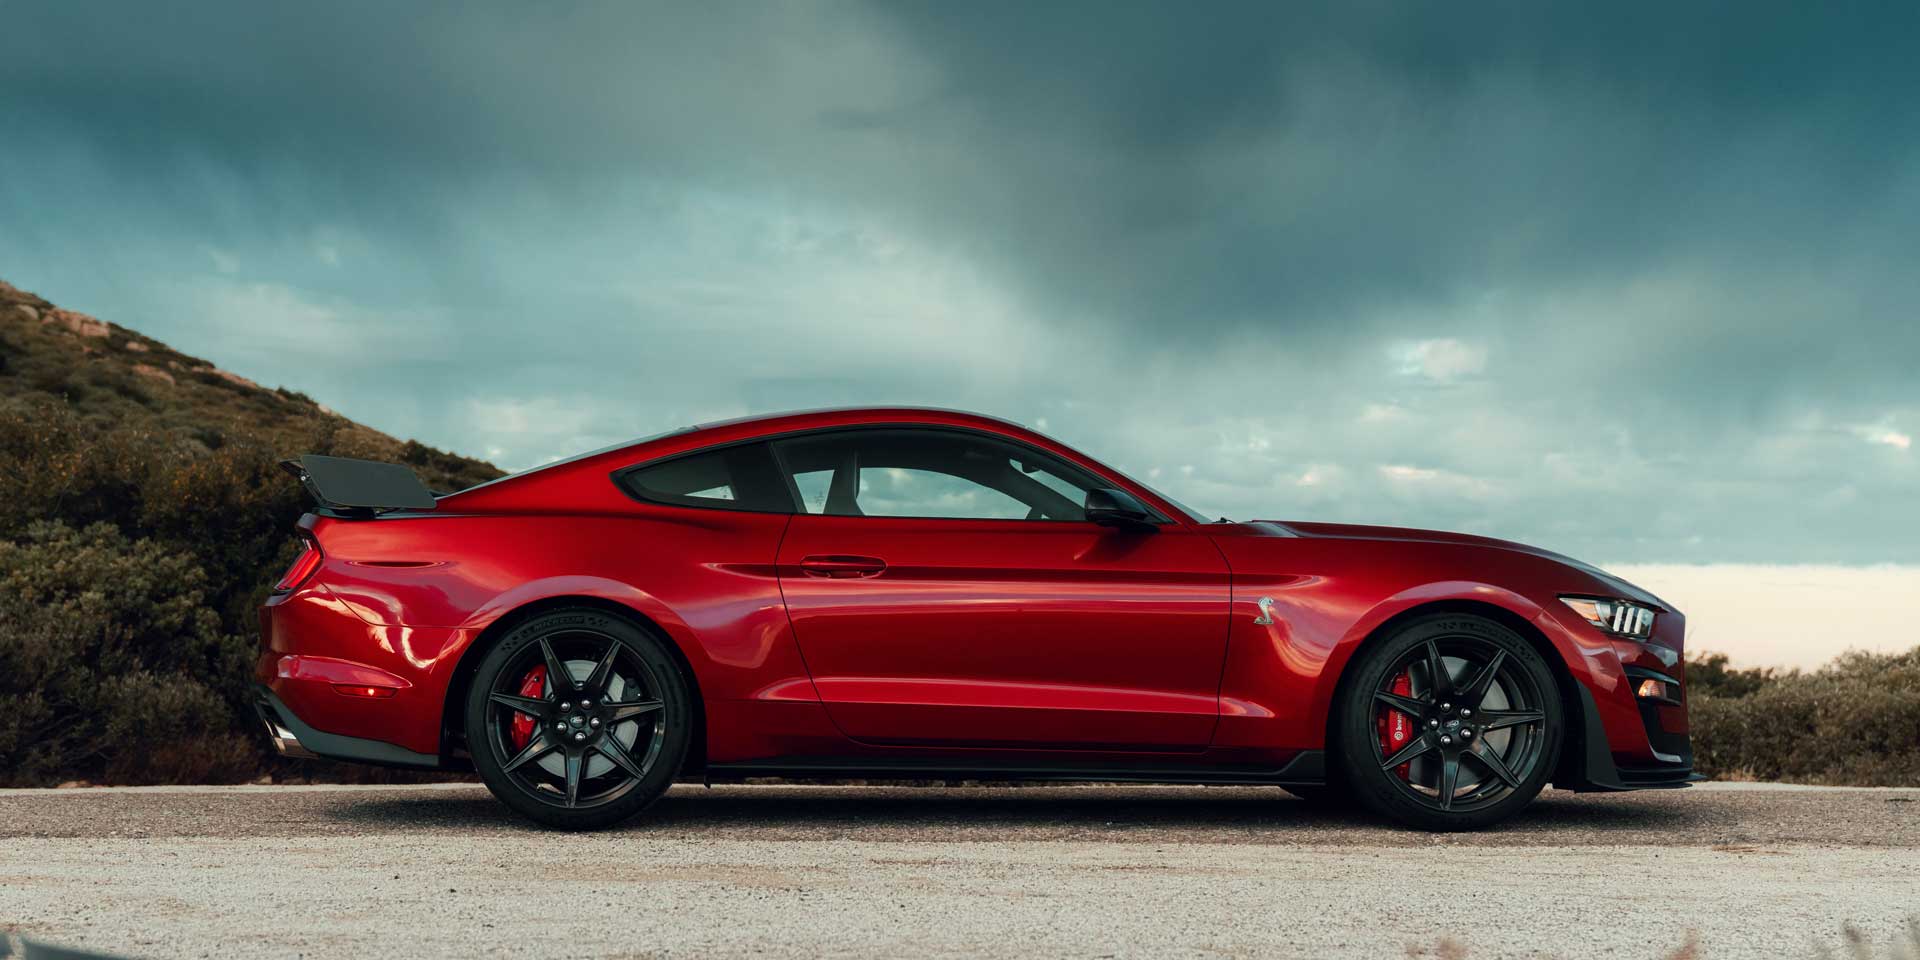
column 142, row 520
column 113, row 377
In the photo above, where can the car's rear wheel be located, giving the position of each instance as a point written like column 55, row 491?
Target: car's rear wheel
column 1453, row 722
column 578, row 718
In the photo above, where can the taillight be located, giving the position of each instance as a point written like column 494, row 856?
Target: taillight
column 303, row 567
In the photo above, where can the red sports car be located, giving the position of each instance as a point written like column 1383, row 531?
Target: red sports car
column 920, row 594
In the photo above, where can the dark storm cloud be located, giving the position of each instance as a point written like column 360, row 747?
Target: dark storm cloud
column 1549, row 272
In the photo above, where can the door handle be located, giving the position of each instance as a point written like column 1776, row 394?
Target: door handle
column 842, row 567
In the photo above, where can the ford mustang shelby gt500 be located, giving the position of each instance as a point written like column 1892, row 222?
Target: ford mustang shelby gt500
column 927, row 594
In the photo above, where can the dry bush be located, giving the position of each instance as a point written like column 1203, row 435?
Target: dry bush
column 1855, row 721
column 131, row 566
column 112, row 665
column 1712, row 676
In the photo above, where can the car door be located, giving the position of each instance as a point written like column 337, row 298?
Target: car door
column 946, row 589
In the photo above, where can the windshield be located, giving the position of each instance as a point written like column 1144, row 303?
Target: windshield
column 1196, row 515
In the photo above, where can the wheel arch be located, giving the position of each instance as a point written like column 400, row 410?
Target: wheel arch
column 1573, row 712
column 453, row 709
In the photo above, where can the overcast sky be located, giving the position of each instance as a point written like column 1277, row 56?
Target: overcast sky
column 1634, row 283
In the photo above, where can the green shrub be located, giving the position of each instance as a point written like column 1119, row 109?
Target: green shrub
column 1712, row 676
column 112, row 664
column 1855, row 721
column 132, row 563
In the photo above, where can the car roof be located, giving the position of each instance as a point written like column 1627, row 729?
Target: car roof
column 737, row 428
column 878, row 413
column 581, row 481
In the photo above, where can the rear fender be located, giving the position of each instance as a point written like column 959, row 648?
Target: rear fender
column 600, row 588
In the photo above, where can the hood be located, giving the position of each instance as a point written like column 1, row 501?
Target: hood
column 1358, row 531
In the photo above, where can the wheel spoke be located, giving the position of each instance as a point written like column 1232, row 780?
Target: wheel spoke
column 1439, row 682
column 613, row 750
column 604, row 669
column 535, row 749
column 1449, row 780
column 617, row 712
column 557, row 672
column 531, row 706
column 1476, row 691
column 1404, row 704
column 1419, row 746
column 1491, row 760
column 575, row 760
column 1498, row 719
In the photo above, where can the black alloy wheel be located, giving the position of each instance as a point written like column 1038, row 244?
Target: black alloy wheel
column 1451, row 723
column 578, row 718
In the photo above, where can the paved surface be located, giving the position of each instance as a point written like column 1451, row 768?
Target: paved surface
column 444, row 871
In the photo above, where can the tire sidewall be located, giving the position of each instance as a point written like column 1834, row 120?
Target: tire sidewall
column 646, row 644
column 1355, row 733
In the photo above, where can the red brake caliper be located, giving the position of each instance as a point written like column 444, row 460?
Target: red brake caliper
column 533, row 685
column 1396, row 728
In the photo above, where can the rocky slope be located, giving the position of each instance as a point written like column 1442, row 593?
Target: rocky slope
column 111, row 376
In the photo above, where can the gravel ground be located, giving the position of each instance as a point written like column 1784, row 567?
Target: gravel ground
column 444, row 871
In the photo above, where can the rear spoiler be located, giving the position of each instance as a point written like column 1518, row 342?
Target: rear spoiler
column 359, row 488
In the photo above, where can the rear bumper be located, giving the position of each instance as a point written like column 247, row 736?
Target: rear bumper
column 353, row 681
column 294, row 738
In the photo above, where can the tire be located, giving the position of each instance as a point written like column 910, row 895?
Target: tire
column 1498, row 743
column 593, row 750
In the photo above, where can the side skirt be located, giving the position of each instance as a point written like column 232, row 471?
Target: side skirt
column 1307, row 769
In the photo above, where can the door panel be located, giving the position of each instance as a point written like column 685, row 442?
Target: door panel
column 1011, row 633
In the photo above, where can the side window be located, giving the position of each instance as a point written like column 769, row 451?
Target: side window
column 730, row 478
column 910, row 492
column 931, row 473
column 812, row 487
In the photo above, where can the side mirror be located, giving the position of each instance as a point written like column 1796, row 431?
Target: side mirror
column 1109, row 507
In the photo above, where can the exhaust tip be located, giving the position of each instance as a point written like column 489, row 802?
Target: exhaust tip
column 284, row 742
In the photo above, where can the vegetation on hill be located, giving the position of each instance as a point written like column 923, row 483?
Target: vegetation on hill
column 142, row 520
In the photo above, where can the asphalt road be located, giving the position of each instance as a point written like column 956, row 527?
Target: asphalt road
column 444, row 871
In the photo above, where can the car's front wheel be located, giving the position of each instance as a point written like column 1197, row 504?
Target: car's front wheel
column 1452, row 722
column 578, row 718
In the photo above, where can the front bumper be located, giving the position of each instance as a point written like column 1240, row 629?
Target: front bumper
column 1599, row 772
column 1620, row 741
column 294, row 738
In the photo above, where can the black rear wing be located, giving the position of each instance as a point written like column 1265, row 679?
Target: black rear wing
column 359, row 488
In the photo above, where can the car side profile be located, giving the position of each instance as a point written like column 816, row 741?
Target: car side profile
column 910, row 593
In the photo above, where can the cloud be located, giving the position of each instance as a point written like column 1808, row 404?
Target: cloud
column 1886, row 436
column 1442, row 360
column 1427, row 481
column 1613, row 280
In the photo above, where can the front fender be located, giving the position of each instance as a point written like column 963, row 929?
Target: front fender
column 1280, row 679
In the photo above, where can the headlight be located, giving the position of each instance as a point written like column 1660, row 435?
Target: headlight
column 1618, row 617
